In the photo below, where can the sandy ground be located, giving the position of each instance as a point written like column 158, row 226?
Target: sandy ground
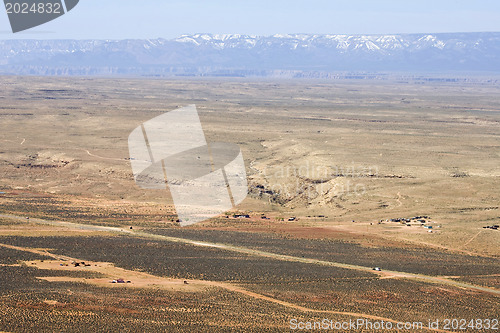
column 363, row 151
column 111, row 272
column 253, row 252
column 148, row 281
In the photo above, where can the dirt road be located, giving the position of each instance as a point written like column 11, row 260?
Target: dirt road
column 148, row 281
column 259, row 253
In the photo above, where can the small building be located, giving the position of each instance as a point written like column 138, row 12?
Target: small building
column 492, row 227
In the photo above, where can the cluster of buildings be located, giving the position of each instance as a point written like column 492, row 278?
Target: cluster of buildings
column 420, row 219
column 414, row 221
column 492, row 227
column 262, row 217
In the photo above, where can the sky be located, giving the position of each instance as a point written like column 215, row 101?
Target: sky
column 124, row 19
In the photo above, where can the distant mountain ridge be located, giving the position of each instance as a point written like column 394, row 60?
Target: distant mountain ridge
column 295, row 55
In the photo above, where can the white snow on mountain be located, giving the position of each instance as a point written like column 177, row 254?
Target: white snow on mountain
column 455, row 51
column 293, row 41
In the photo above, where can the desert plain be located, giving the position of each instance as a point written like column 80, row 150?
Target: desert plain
column 344, row 177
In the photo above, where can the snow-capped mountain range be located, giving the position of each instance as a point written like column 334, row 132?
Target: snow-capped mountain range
column 344, row 43
column 242, row 55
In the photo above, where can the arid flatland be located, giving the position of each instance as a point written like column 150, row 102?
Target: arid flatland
column 350, row 175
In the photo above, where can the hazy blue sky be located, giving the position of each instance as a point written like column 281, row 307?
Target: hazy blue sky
column 120, row 19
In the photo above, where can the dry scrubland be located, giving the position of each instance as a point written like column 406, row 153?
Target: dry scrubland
column 354, row 153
